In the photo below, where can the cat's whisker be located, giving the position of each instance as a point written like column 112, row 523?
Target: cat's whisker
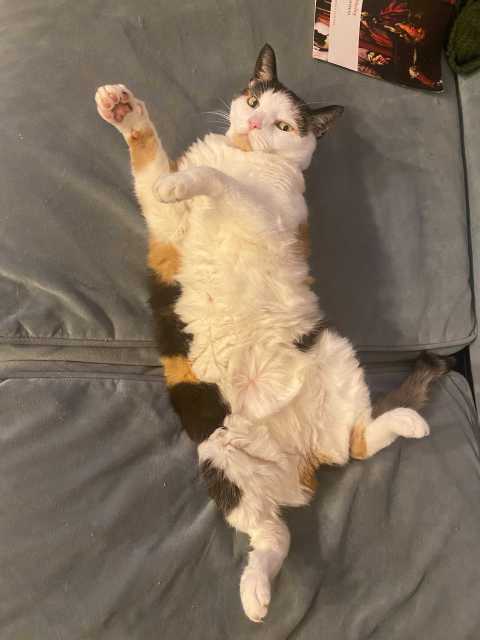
column 217, row 114
column 224, row 103
column 218, row 123
column 212, row 114
column 220, row 113
column 221, row 127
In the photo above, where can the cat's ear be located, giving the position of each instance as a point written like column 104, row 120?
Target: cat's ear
column 322, row 119
column 266, row 65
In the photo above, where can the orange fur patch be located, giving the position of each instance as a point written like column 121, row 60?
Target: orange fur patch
column 177, row 369
column 322, row 458
column 303, row 236
column 303, row 247
column 358, row 444
column 307, row 471
column 165, row 259
column 143, row 148
column 241, row 141
column 308, row 478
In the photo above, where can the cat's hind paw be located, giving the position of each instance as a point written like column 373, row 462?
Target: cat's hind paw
column 255, row 593
column 408, row 423
column 118, row 106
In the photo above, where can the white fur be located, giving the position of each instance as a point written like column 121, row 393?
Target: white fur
column 234, row 216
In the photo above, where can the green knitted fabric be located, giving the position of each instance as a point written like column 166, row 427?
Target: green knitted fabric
column 463, row 49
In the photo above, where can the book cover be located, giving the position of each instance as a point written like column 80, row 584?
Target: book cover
column 396, row 40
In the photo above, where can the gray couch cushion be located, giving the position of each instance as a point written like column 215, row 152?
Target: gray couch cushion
column 469, row 88
column 106, row 532
column 389, row 218
column 386, row 188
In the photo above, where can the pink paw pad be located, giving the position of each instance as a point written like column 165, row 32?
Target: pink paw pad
column 114, row 102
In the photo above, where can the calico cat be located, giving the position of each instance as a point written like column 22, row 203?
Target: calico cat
column 259, row 380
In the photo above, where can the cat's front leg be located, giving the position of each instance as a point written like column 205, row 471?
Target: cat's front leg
column 198, row 181
column 119, row 107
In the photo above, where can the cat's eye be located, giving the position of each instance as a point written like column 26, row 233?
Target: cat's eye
column 284, row 126
column 252, row 102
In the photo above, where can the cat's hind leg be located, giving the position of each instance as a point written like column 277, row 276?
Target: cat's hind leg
column 269, row 543
column 248, row 476
column 396, row 413
column 369, row 437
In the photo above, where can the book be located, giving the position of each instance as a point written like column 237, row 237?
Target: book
column 396, row 40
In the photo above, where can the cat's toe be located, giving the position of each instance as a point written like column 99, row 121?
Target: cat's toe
column 255, row 594
column 105, row 104
column 125, row 94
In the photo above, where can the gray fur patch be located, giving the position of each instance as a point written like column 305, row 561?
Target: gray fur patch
column 414, row 391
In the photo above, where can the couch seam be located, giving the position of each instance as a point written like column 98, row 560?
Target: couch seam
column 150, row 344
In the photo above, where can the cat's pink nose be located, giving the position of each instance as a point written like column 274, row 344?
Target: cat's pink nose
column 254, row 123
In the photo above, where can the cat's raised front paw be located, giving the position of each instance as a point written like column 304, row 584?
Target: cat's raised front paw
column 118, row 106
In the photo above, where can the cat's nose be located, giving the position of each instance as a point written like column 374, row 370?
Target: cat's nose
column 254, row 123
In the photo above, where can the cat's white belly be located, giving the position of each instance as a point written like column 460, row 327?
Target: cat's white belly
column 225, row 300
column 233, row 319
column 214, row 335
column 217, row 332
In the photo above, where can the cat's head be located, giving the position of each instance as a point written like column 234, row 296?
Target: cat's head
column 274, row 118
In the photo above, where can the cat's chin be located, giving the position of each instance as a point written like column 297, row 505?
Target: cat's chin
column 249, row 141
column 240, row 141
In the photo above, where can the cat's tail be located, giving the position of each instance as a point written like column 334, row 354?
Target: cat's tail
column 414, row 391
